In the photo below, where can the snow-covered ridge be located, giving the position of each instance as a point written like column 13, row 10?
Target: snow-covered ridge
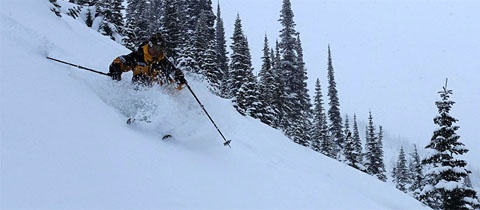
column 64, row 142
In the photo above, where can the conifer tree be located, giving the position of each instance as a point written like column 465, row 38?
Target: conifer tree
column 155, row 9
column 416, row 174
column 301, row 105
column 357, row 143
column 265, row 87
column 320, row 138
column 242, row 80
column 112, row 21
column 335, row 127
column 221, row 52
column 318, row 118
column 265, row 75
column 171, row 28
column 401, row 172
column 279, row 100
column 104, row 9
column 352, row 145
column 137, row 25
column 302, row 89
column 444, row 187
column 204, row 49
column 89, row 20
column 327, row 145
column 374, row 155
column 379, row 154
column 238, row 59
column 56, row 8
column 116, row 17
column 288, row 62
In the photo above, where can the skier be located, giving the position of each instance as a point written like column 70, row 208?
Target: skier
column 149, row 64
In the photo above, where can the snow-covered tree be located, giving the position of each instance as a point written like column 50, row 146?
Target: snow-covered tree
column 444, row 179
column 188, row 18
column 318, row 116
column 374, row 152
column 335, row 126
column 401, row 172
column 89, row 20
column 221, row 52
column 265, row 75
column 288, row 64
column 279, row 100
column 416, row 174
column 352, row 149
column 137, row 24
column 242, row 80
column 357, row 143
column 265, row 87
column 171, row 28
column 204, row 49
column 379, row 154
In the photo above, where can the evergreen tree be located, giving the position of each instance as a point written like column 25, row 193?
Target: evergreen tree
column 242, row 80
column 357, row 143
column 445, row 188
column 335, row 127
column 188, row 17
column 279, row 100
column 353, row 148
column 239, row 59
column 401, row 172
column 301, row 105
column 416, row 174
column 265, row 75
column 104, row 8
column 302, row 90
column 89, row 20
column 156, row 14
column 374, row 153
column 265, row 87
column 318, row 116
column 204, row 48
column 116, row 17
column 379, row 155
column 221, row 52
column 137, row 26
column 327, row 145
column 56, row 8
column 99, row 5
column 170, row 23
column 288, row 65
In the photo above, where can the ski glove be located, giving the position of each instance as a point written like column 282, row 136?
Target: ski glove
column 179, row 77
column 117, row 77
column 115, row 71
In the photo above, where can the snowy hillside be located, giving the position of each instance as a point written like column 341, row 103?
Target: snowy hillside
column 65, row 144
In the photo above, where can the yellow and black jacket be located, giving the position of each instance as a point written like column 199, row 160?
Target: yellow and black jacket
column 146, row 70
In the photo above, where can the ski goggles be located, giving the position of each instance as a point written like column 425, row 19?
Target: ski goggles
column 159, row 47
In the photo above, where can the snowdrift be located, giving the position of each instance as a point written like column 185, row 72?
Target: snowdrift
column 65, row 144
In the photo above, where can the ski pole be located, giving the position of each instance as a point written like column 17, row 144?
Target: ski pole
column 78, row 66
column 227, row 142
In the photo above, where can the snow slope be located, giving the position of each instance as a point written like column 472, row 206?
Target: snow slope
column 64, row 141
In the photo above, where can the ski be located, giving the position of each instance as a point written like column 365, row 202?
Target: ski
column 130, row 121
column 133, row 120
column 166, row 136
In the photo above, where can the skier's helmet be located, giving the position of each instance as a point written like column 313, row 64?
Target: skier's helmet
column 157, row 42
